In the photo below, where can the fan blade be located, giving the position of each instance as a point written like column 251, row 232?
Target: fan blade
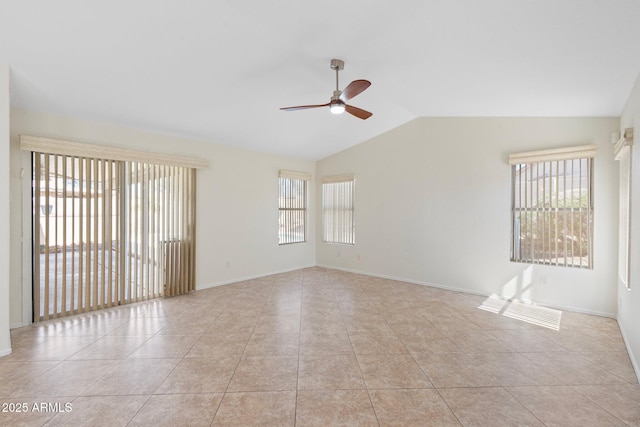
column 358, row 112
column 304, row 107
column 354, row 88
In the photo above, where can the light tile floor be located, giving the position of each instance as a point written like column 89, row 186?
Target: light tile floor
column 318, row 347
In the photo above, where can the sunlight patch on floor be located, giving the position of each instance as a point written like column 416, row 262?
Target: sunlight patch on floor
column 534, row 314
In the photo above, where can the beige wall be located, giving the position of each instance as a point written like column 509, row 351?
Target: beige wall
column 432, row 203
column 629, row 299
column 237, row 203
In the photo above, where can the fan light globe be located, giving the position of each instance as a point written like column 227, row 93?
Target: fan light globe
column 337, row 108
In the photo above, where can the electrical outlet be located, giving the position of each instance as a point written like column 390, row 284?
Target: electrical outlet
column 358, row 257
column 543, row 280
column 227, row 264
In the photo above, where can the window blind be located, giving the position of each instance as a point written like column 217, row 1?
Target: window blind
column 552, row 206
column 292, row 206
column 109, row 232
column 338, row 218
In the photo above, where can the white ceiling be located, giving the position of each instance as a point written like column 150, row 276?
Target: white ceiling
column 219, row 70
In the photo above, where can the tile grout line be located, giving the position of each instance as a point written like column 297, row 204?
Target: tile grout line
column 523, row 405
column 295, row 407
column 237, row 364
column 373, row 408
column 159, row 385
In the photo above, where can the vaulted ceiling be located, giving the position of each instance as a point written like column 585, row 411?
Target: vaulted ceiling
column 218, row 71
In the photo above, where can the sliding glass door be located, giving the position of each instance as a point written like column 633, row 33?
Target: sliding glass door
column 109, row 232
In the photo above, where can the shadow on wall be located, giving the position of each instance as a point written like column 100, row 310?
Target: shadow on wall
column 512, row 305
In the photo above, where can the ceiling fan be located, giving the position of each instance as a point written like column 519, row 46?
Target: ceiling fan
column 337, row 105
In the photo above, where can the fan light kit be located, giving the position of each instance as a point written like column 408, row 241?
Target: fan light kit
column 337, row 104
column 337, row 108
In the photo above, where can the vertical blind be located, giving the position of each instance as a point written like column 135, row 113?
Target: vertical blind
column 338, row 219
column 109, row 232
column 552, row 207
column 292, row 206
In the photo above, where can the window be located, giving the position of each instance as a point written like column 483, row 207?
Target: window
column 623, row 155
column 552, row 207
column 337, row 210
column 292, row 207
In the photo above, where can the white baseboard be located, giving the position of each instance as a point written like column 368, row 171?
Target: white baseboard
column 18, row 325
column 471, row 292
column 634, row 360
column 5, row 352
column 402, row 279
column 256, row 276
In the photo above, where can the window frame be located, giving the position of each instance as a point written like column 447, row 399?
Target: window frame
column 550, row 178
column 622, row 153
column 291, row 180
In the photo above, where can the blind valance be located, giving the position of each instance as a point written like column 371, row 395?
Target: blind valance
column 303, row 176
column 565, row 153
column 337, row 178
column 105, row 152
